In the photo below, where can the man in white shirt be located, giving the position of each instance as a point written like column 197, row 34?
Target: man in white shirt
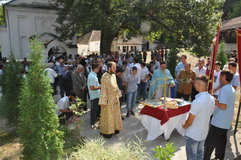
column 51, row 74
column 229, row 61
column 143, row 82
column 62, row 109
column 197, row 124
column 199, row 70
column 216, row 82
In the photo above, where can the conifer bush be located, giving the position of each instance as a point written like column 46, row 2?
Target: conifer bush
column 11, row 84
column 172, row 60
column 222, row 56
column 38, row 123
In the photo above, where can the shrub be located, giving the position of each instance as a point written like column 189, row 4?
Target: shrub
column 165, row 153
column 172, row 60
column 11, row 84
column 38, row 123
column 95, row 150
column 222, row 56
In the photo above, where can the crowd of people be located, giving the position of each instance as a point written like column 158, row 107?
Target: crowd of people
column 109, row 80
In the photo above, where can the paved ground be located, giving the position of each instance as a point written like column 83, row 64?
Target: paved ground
column 133, row 130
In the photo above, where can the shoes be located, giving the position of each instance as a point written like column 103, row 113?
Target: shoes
column 127, row 114
column 117, row 131
column 132, row 113
column 94, row 127
column 106, row 135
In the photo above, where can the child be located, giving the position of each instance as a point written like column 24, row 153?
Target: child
column 132, row 80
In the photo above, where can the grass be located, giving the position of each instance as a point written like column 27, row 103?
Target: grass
column 96, row 150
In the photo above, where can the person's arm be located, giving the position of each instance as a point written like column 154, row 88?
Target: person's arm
column 179, row 77
column 92, row 84
column 189, row 121
column 218, row 88
column 95, row 87
column 103, row 100
column 235, row 87
column 220, row 105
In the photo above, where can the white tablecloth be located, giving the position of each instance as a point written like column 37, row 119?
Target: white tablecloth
column 155, row 129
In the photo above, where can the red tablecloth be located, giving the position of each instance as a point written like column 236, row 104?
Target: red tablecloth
column 164, row 114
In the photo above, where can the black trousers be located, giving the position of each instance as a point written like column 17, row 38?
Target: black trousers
column 216, row 139
column 184, row 96
column 63, row 117
column 95, row 111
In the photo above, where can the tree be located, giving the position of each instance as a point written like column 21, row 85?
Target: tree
column 192, row 23
column 235, row 11
column 172, row 59
column 38, row 122
column 11, row 84
column 78, row 17
column 1, row 16
column 222, row 56
column 228, row 9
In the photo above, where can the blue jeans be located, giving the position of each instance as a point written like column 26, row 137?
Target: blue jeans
column 131, row 100
column 142, row 90
column 194, row 149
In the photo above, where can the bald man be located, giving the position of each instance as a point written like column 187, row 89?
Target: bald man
column 79, row 83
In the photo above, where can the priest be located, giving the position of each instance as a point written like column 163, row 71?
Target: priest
column 110, row 115
column 161, row 83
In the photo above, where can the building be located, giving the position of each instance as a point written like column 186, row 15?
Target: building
column 25, row 18
column 228, row 33
column 90, row 43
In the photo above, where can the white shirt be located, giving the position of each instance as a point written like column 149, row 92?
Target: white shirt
column 202, row 107
column 143, row 72
column 63, row 103
column 216, row 82
column 138, row 72
column 51, row 74
column 200, row 72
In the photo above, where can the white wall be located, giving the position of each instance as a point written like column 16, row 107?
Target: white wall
column 94, row 46
column 24, row 22
column 83, row 49
column 230, row 47
column 4, row 42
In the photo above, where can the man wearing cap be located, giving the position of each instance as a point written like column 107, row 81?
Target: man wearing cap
column 161, row 81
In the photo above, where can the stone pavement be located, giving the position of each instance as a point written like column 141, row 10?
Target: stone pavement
column 133, row 130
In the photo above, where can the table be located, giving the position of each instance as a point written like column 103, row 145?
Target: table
column 158, row 121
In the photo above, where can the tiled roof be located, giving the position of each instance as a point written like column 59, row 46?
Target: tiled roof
column 89, row 37
column 231, row 24
column 133, row 41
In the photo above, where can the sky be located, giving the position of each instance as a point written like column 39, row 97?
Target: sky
column 4, row 1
